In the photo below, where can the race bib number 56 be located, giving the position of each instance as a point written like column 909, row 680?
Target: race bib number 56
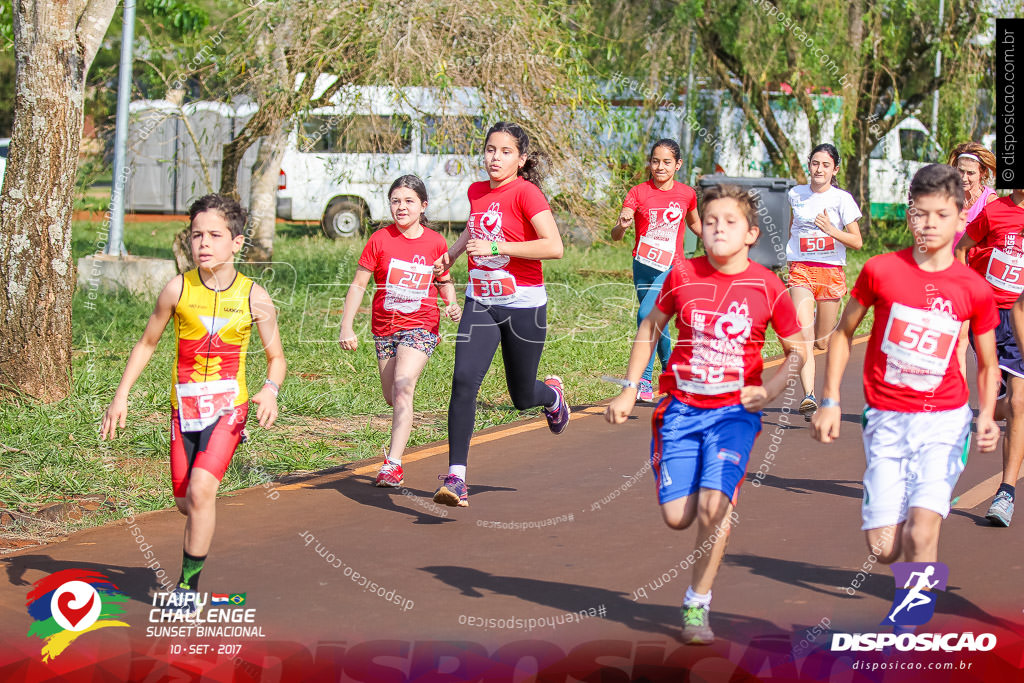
column 200, row 404
column 921, row 339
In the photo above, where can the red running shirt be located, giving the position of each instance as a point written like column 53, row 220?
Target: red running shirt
column 911, row 364
column 721, row 321
column 659, row 218
column 503, row 214
column 999, row 256
column 406, row 297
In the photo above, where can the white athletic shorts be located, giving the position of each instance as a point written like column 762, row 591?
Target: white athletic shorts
column 913, row 460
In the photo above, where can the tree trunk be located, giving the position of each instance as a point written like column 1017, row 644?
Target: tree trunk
column 54, row 46
column 259, row 247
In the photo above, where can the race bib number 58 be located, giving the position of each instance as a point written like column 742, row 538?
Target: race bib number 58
column 921, row 339
column 708, row 380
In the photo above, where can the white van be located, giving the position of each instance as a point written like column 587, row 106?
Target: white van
column 341, row 159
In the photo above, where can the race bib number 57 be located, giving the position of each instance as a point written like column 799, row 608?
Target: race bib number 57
column 921, row 339
column 200, row 404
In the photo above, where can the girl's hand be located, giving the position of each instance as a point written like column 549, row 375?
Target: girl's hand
column 479, row 248
column 753, row 398
column 347, row 339
column 266, row 412
column 620, row 408
column 453, row 311
column 114, row 418
column 823, row 222
column 442, row 264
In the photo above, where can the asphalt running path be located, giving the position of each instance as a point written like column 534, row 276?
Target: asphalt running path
column 556, row 525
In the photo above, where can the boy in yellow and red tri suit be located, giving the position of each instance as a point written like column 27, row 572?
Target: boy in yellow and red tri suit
column 214, row 308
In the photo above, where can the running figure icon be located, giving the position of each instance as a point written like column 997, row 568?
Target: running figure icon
column 916, row 596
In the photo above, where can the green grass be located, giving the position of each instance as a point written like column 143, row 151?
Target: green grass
column 331, row 407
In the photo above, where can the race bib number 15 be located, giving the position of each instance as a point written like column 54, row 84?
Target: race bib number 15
column 1004, row 271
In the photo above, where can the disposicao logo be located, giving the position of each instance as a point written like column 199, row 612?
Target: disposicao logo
column 913, row 605
column 69, row 603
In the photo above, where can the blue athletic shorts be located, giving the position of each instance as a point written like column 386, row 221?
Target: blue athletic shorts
column 695, row 448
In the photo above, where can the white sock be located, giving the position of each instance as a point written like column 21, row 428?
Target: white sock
column 394, row 461
column 695, row 599
column 458, row 470
column 554, row 406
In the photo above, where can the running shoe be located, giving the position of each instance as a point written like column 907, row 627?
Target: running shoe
column 808, row 406
column 1001, row 511
column 453, row 492
column 645, row 391
column 696, row 629
column 391, row 475
column 182, row 600
column 558, row 419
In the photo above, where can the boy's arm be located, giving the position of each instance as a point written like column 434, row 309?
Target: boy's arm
column 825, row 424
column 265, row 316
column 347, row 338
column 647, row 337
column 988, row 385
column 117, row 411
column 756, row 398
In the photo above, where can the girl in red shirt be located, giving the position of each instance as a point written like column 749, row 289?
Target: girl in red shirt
column 509, row 232
column 657, row 208
column 405, row 317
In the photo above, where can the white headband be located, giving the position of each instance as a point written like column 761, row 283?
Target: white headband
column 966, row 155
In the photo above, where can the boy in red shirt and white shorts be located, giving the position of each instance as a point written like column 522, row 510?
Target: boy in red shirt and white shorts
column 918, row 422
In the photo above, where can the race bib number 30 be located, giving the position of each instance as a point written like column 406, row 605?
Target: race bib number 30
column 408, row 280
column 921, row 339
column 822, row 245
column 492, row 286
column 708, row 380
column 200, row 404
column 1004, row 271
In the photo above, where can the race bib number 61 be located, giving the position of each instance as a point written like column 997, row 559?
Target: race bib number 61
column 922, row 339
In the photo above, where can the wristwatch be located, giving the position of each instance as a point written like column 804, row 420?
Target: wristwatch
column 828, row 403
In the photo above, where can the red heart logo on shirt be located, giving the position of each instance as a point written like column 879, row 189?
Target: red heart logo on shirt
column 73, row 615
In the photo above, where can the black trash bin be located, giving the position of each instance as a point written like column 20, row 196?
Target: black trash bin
column 773, row 214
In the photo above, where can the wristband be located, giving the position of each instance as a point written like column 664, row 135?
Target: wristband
column 624, row 383
column 494, row 248
column 828, row 403
column 273, row 386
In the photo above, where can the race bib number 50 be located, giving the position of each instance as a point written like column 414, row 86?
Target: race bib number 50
column 708, row 380
column 921, row 339
column 200, row 404
column 822, row 245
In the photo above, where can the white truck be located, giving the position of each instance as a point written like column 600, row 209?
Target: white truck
column 341, row 159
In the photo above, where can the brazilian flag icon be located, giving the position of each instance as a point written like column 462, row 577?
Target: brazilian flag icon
column 237, row 599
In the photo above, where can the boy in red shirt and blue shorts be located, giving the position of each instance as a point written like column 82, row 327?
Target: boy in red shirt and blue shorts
column 917, row 423
column 704, row 429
